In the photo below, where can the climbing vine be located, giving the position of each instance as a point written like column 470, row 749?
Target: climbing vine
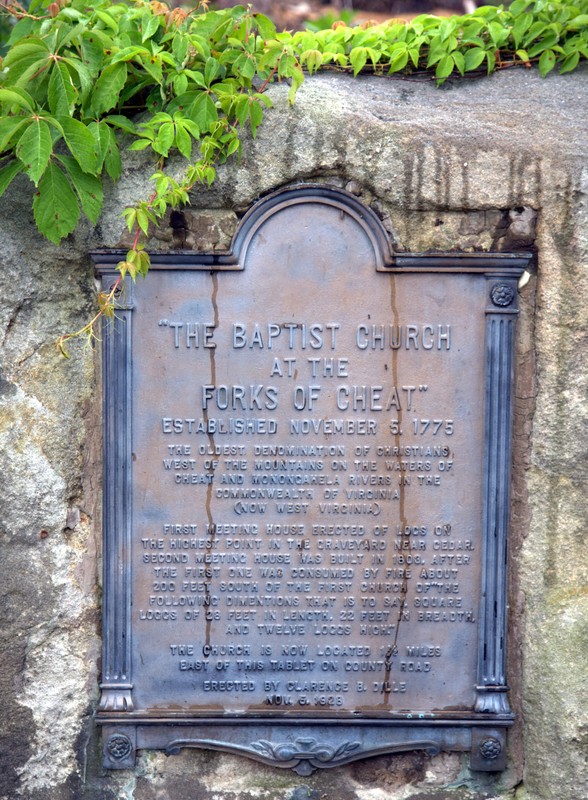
column 79, row 82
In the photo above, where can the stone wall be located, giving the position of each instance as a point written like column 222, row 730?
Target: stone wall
column 497, row 164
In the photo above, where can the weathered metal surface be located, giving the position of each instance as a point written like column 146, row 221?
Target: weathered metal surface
column 307, row 450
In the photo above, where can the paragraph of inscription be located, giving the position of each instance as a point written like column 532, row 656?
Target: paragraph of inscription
column 307, row 506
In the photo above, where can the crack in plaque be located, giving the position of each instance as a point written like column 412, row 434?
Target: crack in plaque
column 209, row 487
column 393, row 648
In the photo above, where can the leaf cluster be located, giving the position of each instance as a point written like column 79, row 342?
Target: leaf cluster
column 545, row 32
column 79, row 82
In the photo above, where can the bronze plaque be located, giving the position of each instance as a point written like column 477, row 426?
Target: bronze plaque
column 307, row 470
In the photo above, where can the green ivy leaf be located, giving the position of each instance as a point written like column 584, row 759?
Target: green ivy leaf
column 86, row 81
column 180, row 84
column 124, row 123
column 578, row 23
column 108, row 87
column 517, row 6
column 255, row 117
column 164, row 139
column 358, row 58
column 61, row 94
column 570, row 62
column 545, row 44
column 244, row 66
column 190, row 126
column 55, row 205
column 203, row 111
column 183, row 141
column 444, row 68
column 212, row 70
column 488, row 12
column 34, row 149
column 200, row 44
column 129, row 53
column 154, row 66
column 109, row 21
column 546, row 62
column 130, row 215
column 88, row 188
column 92, row 53
column 143, row 220
column 112, row 160
column 63, row 35
column 270, row 58
column 473, row 58
column 143, row 262
column 436, row 53
column 157, row 119
column 180, row 47
column 399, row 61
column 498, row 33
column 8, row 174
column 534, row 31
column 140, row 144
column 9, row 127
column 149, row 25
column 126, row 266
column 22, row 29
column 71, row 13
column 165, row 57
column 234, row 146
column 313, row 60
column 459, row 61
column 81, row 143
column 266, row 28
column 296, row 81
column 24, row 59
column 101, row 136
column 17, row 97
column 491, row 60
column 521, row 25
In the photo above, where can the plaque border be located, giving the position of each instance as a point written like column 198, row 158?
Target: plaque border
column 117, row 362
column 305, row 743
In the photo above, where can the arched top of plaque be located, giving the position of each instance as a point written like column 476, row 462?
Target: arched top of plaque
column 314, row 227
column 292, row 215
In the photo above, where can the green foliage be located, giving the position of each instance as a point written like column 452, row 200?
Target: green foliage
column 326, row 21
column 76, row 78
column 547, row 33
column 80, row 81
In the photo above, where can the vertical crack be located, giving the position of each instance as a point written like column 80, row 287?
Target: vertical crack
column 208, row 505
column 393, row 649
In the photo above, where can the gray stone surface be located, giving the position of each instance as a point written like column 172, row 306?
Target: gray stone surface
column 492, row 163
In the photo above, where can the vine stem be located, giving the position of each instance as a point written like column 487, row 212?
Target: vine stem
column 106, row 309
column 269, row 78
column 18, row 12
column 106, row 302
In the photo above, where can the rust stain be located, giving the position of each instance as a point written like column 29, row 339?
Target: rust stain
column 209, row 488
column 392, row 650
